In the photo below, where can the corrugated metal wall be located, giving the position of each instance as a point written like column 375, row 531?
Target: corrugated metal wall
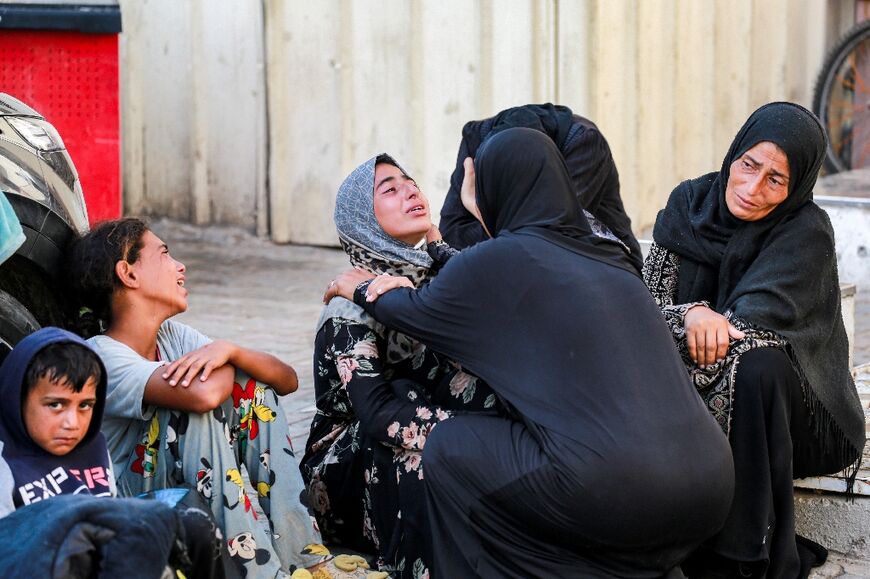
column 214, row 88
column 194, row 111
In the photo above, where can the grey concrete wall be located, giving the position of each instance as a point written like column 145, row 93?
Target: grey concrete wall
column 851, row 221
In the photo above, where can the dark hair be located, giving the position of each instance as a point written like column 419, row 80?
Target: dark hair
column 90, row 269
column 67, row 362
column 384, row 158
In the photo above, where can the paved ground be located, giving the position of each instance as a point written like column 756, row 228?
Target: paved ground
column 267, row 296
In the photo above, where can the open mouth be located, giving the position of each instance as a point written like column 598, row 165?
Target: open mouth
column 181, row 282
column 416, row 209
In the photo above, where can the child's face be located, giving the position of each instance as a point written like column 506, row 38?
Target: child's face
column 161, row 276
column 57, row 418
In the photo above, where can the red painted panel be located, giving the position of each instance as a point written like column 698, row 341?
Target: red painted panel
column 71, row 78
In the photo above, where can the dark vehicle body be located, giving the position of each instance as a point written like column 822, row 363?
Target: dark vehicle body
column 40, row 181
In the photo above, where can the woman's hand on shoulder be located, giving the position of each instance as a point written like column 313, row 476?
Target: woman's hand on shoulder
column 201, row 361
column 345, row 283
column 384, row 283
column 708, row 335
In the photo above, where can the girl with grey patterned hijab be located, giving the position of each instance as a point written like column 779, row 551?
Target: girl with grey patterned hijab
column 364, row 240
column 379, row 393
column 357, row 225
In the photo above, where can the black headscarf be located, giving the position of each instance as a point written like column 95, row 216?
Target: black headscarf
column 780, row 272
column 27, row 460
column 587, row 155
column 554, row 121
column 522, row 183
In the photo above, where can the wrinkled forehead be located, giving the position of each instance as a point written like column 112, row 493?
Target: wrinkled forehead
column 794, row 130
column 767, row 150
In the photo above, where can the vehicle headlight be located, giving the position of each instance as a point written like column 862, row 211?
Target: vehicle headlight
column 39, row 134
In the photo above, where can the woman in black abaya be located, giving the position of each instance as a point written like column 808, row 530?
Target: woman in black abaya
column 611, row 467
column 744, row 270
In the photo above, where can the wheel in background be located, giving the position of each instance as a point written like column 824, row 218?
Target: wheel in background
column 842, row 100
column 16, row 322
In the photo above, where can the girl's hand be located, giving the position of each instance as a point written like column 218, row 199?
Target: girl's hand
column 204, row 360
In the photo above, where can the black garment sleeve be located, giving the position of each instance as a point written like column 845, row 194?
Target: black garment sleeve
column 440, row 252
column 440, row 313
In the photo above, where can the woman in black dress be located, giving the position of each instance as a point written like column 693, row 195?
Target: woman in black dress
column 744, row 270
column 608, row 465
